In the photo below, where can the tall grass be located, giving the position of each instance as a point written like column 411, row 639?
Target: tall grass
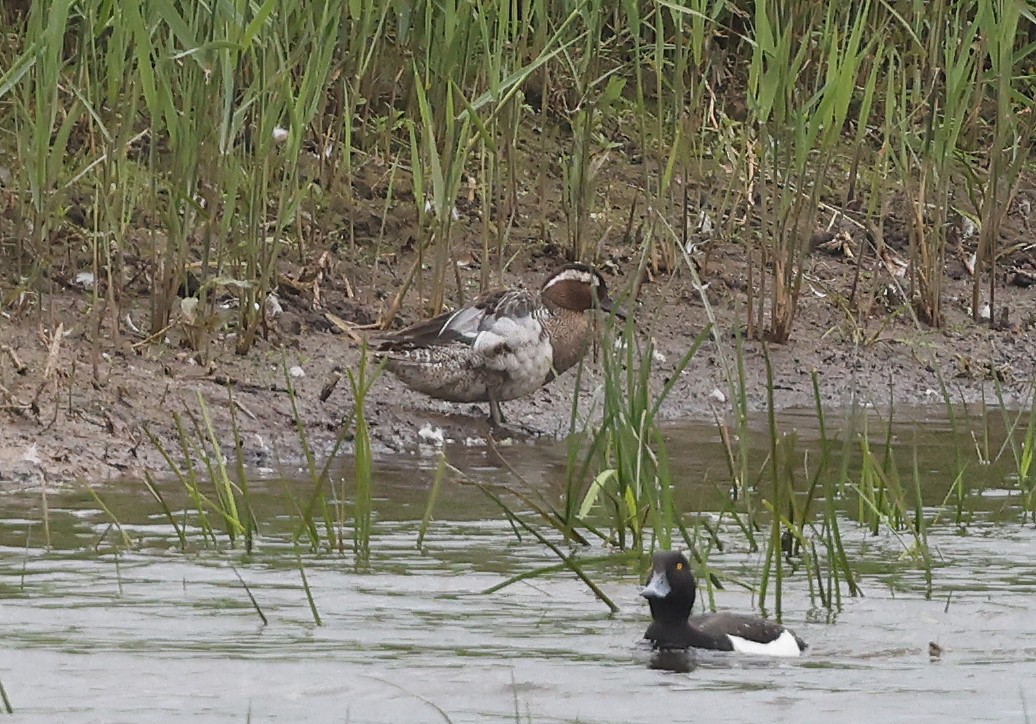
column 634, row 482
column 992, row 185
column 941, row 75
column 1023, row 451
column 212, row 489
column 799, row 96
column 215, row 141
column 218, row 489
column 360, row 383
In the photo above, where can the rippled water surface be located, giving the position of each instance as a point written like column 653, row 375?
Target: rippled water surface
column 94, row 631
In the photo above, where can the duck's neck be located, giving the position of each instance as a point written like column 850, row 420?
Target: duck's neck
column 668, row 614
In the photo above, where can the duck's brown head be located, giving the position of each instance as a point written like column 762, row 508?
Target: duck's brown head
column 579, row 287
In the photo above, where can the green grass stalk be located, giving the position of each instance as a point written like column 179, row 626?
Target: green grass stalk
column 309, row 592
column 251, row 597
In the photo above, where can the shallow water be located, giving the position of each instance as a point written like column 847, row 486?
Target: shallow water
column 91, row 632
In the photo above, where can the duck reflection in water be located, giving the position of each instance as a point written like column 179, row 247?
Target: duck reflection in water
column 680, row 661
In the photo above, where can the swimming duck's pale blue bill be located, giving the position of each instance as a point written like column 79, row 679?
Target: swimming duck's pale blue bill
column 657, row 586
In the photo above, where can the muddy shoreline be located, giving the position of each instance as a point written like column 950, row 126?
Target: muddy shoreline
column 77, row 409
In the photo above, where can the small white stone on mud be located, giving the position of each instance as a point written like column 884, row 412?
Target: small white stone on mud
column 967, row 228
column 86, row 279
column 32, row 455
column 431, row 435
column 705, row 225
column 272, row 306
column 657, row 356
column 296, row 372
column 474, row 442
column 969, row 263
column 717, row 395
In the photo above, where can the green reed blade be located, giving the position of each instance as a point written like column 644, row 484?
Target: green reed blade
column 305, row 587
column 251, row 598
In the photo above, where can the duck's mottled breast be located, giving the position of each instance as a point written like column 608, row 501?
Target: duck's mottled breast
column 569, row 338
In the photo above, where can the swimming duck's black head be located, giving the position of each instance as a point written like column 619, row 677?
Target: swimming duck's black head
column 579, row 287
column 670, row 589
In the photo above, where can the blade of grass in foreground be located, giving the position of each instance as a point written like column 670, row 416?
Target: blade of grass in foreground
column 363, row 457
column 3, row 697
column 149, row 483
column 433, row 496
column 226, row 490
column 255, row 604
column 556, row 568
column 567, row 561
column 111, row 516
column 306, row 588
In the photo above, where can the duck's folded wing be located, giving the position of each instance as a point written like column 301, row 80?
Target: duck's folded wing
column 513, row 325
column 750, row 628
column 421, row 334
column 493, row 324
column 461, row 326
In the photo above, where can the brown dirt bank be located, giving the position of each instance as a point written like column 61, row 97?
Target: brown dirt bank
column 76, row 407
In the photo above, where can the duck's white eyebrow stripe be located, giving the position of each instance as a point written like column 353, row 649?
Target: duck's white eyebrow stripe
column 573, row 275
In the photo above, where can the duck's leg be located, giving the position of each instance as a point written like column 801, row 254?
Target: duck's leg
column 499, row 424
column 496, row 415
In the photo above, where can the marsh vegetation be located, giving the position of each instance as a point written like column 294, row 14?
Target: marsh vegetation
column 174, row 176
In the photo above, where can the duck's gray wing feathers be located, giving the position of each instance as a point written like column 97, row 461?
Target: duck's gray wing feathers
column 511, row 325
column 494, row 324
column 461, row 326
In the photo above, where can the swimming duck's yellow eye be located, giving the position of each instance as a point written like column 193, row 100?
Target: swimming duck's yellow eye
column 679, row 566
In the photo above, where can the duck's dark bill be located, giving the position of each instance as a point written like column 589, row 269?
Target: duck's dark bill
column 657, row 586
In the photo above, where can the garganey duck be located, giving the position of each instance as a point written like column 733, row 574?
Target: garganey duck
column 505, row 344
column 670, row 592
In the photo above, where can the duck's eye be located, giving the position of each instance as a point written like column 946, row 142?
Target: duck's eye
column 679, row 566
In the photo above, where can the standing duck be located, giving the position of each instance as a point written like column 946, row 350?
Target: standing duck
column 504, row 345
column 670, row 592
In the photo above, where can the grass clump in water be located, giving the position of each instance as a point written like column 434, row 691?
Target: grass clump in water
column 634, row 485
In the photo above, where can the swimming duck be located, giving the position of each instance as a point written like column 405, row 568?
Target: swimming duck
column 670, row 592
column 504, row 345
